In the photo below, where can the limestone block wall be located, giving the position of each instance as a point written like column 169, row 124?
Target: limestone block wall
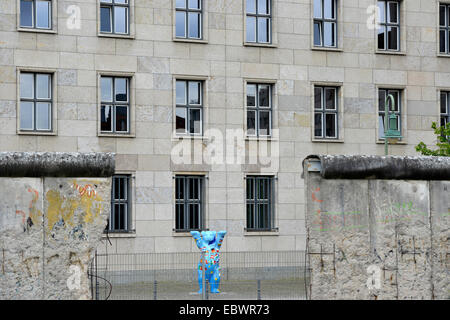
column 377, row 238
column 50, row 228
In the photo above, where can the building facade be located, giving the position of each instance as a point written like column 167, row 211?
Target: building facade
column 211, row 105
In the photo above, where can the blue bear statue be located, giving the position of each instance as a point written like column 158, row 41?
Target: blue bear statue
column 209, row 242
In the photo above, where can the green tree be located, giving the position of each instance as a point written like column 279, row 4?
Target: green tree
column 443, row 144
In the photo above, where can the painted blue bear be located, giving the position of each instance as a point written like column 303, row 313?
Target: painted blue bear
column 209, row 242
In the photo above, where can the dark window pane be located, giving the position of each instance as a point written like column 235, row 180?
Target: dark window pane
column 442, row 41
column 180, row 24
column 263, row 6
column 251, row 122
column 251, row 95
column 251, row 29
column 194, row 92
column 263, row 30
column 106, row 118
column 26, row 13
column 194, row 211
column 195, row 122
column 329, row 34
column 121, row 118
column 442, row 20
column 381, row 100
column 317, row 98
column 443, row 102
column 250, row 216
column 317, row 8
column 251, row 6
column 43, row 113
column 194, row 25
column 318, row 125
column 26, row 115
column 392, row 38
column 250, row 183
column 120, row 19
column 330, row 125
column 264, row 96
column 27, row 85
column 181, row 120
column 317, row 34
column 329, row 9
column 330, row 99
column 392, row 12
column 121, row 89
column 43, row 14
column 264, row 123
column 381, row 11
column 181, row 92
column 381, row 38
column 105, row 19
column 180, row 216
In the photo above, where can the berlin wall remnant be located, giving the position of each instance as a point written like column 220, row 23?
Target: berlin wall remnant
column 52, row 215
column 378, row 227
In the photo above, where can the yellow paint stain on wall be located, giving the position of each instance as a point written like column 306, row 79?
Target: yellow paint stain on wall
column 69, row 206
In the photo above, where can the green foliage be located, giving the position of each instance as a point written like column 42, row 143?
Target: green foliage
column 443, row 144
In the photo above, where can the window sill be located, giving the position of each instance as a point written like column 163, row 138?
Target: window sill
column 116, row 135
column 185, row 233
column 273, row 232
column 443, row 55
column 261, row 45
column 262, row 138
column 189, row 137
column 201, row 41
column 35, row 30
column 402, row 142
column 37, row 133
column 119, row 36
column 397, row 53
column 331, row 49
column 131, row 234
column 328, row 140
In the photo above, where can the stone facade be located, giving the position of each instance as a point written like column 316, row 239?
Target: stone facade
column 153, row 59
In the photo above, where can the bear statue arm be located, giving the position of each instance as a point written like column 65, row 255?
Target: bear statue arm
column 220, row 236
column 198, row 238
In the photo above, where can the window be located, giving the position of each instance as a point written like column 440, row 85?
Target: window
column 114, row 16
column 35, row 101
column 444, row 28
column 325, row 112
column 115, row 105
column 445, row 108
column 259, row 203
column 189, row 107
column 36, row 14
column 258, row 21
column 389, row 25
column 259, row 109
column 189, row 202
column 188, row 19
column 325, row 23
column 120, row 219
column 381, row 105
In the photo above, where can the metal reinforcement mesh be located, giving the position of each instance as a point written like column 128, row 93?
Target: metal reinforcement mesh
column 268, row 275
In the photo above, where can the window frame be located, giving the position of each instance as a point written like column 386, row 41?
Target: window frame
column 380, row 111
column 257, row 16
column 256, row 202
column 257, row 109
column 185, row 202
column 52, row 16
column 52, row 100
column 130, row 18
column 446, row 114
column 387, row 24
column 445, row 28
column 322, row 20
column 114, row 104
column 323, row 112
column 188, row 10
column 128, row 204
column 188, row 107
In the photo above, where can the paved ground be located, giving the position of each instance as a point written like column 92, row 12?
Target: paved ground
column 286, row 289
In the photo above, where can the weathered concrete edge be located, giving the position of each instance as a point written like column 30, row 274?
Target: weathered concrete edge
column 382, row 167
column 56, row 164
